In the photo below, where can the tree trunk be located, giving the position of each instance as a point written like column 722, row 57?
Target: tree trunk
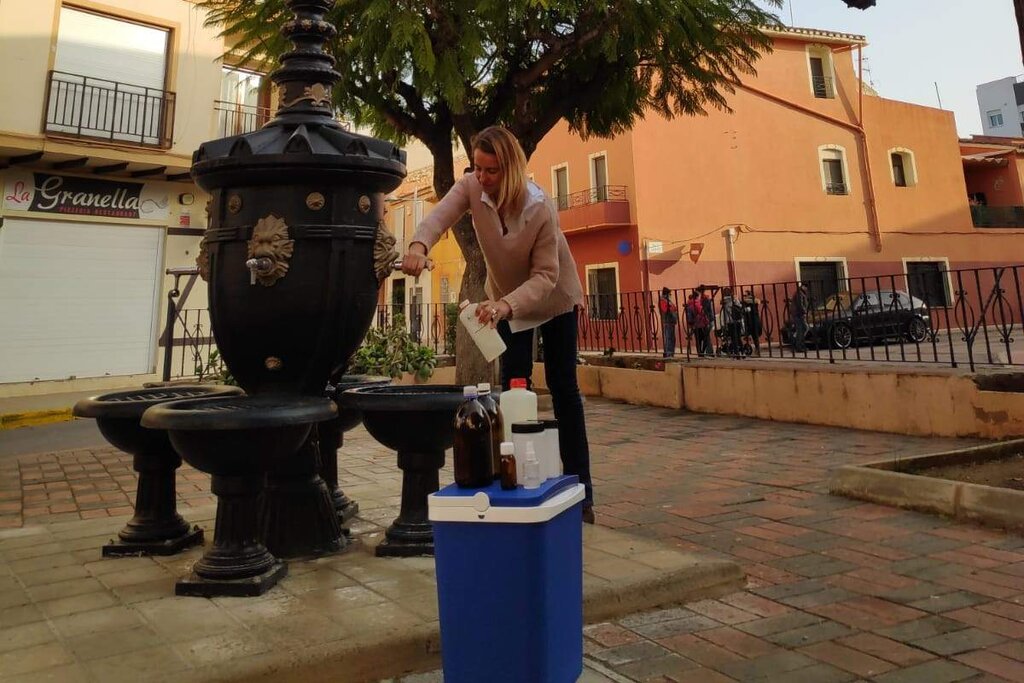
column 470, row 366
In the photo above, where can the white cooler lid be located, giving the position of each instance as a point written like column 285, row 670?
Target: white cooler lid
column 477, row 507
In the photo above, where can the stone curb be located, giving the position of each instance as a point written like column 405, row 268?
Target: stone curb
column 34, row 418
column 416, row 649
column 878, row 482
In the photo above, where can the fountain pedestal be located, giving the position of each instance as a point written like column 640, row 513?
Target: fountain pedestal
column 332, row 438
column 156, row 528
column 235, row 440
column 418, row 423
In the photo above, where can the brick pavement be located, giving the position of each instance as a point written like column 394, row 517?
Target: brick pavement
column 839, row 590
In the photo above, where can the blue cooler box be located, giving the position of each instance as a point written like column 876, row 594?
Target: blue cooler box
column 510, row 582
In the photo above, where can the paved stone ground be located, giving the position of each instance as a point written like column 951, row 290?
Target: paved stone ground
column 838, row 590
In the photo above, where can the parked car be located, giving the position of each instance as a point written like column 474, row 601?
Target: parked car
column 848, row 318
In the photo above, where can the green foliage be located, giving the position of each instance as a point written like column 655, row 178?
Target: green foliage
column 213, row 369
column 391, row 351
column 438, row 69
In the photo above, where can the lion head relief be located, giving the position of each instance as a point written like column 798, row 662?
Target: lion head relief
column 270, row 240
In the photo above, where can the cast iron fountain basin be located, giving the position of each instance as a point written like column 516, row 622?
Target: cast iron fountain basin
column 235, row 440
column 332, row 438
column 156, row 528
column 418, row 423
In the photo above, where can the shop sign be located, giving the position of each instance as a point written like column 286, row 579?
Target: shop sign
column 71, row 195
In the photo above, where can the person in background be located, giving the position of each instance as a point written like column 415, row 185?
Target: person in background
column 669, row 320
column 732, row 321
column 532, row 282
column 708, row 304
column 752, row 319
column 697, row 322
column 798, row 312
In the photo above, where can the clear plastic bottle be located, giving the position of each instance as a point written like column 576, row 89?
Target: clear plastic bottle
column 497, row 428
column 552, row 462
column 523, row 433
column 518, row 404
column 509, row 480
column 532, row 469
column 472, row 461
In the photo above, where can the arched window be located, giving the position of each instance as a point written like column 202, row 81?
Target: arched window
column 902, row 167
column 835, row 177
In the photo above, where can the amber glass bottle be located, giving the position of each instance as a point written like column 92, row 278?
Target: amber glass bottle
column 473, row 462
column 508, row 466
column 497, row 426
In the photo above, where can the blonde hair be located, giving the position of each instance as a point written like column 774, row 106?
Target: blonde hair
column 505, row 147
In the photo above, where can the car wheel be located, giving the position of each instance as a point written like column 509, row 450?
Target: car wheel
column 917, row 331
column 842, row 336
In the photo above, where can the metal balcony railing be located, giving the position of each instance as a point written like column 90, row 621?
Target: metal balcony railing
column 602, row 193
column 836, row 188
column 823, row 87
column 998, row 216
column 238, row 119
column 86, row 107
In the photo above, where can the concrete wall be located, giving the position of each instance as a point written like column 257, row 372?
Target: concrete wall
column 891, row 400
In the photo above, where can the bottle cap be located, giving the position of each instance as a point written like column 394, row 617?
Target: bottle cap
column 550, row 423
column 469, row 392
column 518, row 383
column 508, row 448
column 528, row 427
column 484, row 388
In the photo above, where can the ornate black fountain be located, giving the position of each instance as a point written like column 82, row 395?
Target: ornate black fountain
column 293, row 255
column 156, row 528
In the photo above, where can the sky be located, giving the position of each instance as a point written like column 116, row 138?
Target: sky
column 914, row 44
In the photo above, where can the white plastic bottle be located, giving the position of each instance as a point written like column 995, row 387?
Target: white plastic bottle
column 533, row 478
column 518, row 404
column 484, row 336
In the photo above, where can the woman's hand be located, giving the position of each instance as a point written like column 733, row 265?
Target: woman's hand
column 493, row 311
column 415, row 260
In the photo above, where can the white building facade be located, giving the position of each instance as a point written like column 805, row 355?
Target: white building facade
column 1001, row 104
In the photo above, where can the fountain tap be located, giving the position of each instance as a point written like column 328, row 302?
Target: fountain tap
column 258, row 266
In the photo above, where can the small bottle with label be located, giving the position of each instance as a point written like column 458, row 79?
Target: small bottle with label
column 508, row 466
column 497, row 427
column 471, row 460
column 532, row 469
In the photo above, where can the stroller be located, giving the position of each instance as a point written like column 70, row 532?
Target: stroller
column 725, row 345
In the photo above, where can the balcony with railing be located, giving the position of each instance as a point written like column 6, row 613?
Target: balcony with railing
column 836, row 188
column 94, row 108
column 998, row 216
column 238, row 119
column 823, row 87
column 598, row 206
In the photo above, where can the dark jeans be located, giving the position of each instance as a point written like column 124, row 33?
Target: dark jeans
column 668, row 333
column 559, row 335
column 799, row 334
column 703, row 335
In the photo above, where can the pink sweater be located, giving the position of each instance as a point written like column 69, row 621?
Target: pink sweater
column 531, row 267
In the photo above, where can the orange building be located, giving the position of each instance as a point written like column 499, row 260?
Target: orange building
column 812, row 176
column 994, row 170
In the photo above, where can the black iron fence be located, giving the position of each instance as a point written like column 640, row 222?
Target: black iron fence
column 969, row 317
column 86, row 107
column 432, row 325
column 958, row 317
column 602, row 193
column 238, row 119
